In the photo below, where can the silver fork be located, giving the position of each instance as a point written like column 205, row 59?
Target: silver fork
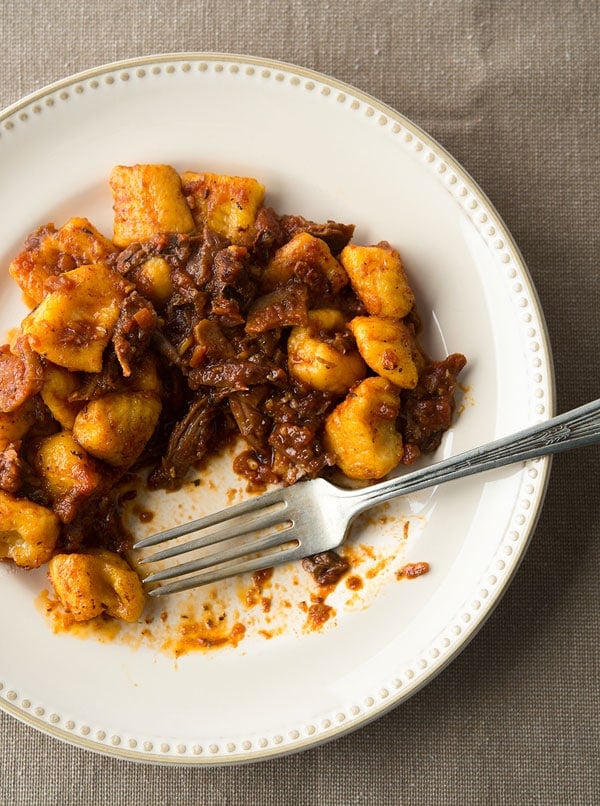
column 314, row 516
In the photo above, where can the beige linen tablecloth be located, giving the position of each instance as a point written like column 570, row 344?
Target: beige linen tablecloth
column 511, row 90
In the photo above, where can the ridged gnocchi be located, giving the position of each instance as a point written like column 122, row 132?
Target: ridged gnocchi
column 117, row 426
column 68, row 475
column 96, row 583
column 49, row 252
column 148, row 200
column 58, row 387
column 73, row 324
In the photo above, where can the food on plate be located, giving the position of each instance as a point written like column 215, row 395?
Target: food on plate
column 208, row 317
column 147, row 200
column 388, row 347
column 28, row 532
column 96, row 583
column 379, row 279
column 49, row 252
column 321, row 353
column 361, row 433
column 227, row 205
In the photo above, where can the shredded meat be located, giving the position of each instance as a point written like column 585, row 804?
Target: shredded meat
column 175, row 248
column 212, row 342
column 190, row 439
column 295, row 440
column 427, row 410
column 287, row 305
column 326, row 568
column 236, row 374
column 248, row 413
column 96, row 384
column 270, row 234
column 133, row 331
column 231, row 286
column 97, row 523
column 273, row 230
column 167, row 350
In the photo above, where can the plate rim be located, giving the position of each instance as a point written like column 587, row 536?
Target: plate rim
column 138, row 755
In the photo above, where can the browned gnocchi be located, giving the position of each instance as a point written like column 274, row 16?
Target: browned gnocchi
column 361, row 431
column 73, row 323
column 28, row 532
column 388, row 346
column 96, row 583
column 379, row 279
column 314, row 357
column 148, row 200
column 227, row 205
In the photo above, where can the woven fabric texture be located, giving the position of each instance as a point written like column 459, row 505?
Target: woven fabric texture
column 511, row 90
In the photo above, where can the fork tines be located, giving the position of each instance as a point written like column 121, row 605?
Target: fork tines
column 254, row 529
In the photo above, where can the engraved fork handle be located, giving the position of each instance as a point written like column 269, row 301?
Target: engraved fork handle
column 575, row 428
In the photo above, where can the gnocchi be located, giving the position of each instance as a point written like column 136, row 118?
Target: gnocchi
column 95, row 583
column 314, row 359
column 73, row 324
column 28, row 532
column 361, row 431
column 228, row 205
column 49, row 252
column 388, row 347
column 308, row 252
column 378, row 277
column 148, row 200
column 57, row 390
column 117, row 426
column 68, row 475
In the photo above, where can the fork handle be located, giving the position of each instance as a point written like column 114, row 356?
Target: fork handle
column 575, row 428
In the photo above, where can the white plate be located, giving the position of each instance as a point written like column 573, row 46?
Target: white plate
column 324, row 150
